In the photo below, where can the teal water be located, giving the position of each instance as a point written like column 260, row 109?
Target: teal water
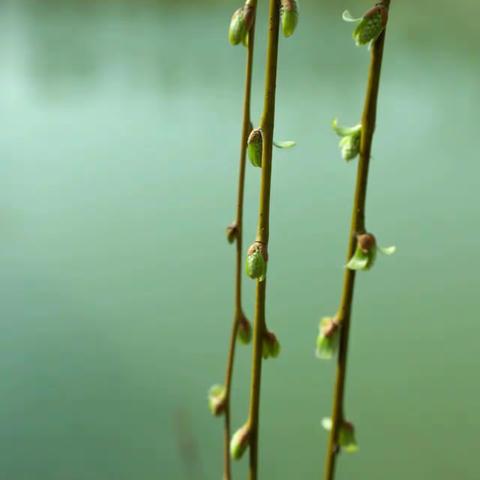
column 118, row 159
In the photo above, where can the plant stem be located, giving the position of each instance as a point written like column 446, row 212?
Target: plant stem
column 357, row 226
column 267, row 126
column 238, row 311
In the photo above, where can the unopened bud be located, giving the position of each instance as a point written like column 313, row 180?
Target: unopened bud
column 370, row 25
column 328, row 338
column 244, row 331
column 257, row 258
column 217, row 399
column 288, row 16
column 237, row 28
column 270, row 345
column 231, row 232
column 240, row 24
column 239, row 442
column 350, row 139
column 254, row 147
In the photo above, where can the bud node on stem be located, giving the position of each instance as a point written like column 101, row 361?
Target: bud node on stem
column 255, row 146
column 240, row 441
column 232, row 232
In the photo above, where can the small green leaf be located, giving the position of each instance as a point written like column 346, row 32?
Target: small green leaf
column 285, row 144
column 328, row 339
column 388, row 250
column 346, row 438
column 325, row 349
column 350, row 146
column 327, row 423
column 345, row 131
column 275, row 349
column 350, row 139
column 351, row 447
column 359, row 261
column 346, row 434
column 347, row 17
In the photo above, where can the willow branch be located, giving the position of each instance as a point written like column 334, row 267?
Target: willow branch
column 238, row 225
column 357, row 226
column 267, row 126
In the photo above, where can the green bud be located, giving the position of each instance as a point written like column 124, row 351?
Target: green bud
column 288, row 16
column 346, row 437
column 346, row 434
column 370, row 26
column 366, row 252
column 257, row 258
column 232, row 232
column 237, row 28
column 254, row 147
column 240, row 24
column 239, row 442
column 244, row 331
column 216, row 399
column 328, row 338
column 350, row 141
column 270, row 345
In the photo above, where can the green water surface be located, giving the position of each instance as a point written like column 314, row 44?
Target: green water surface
column 119, row 135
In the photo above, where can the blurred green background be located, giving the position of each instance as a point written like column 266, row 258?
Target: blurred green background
column 120, row 127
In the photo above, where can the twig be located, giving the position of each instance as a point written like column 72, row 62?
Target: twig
column 238, row 226
column 267, row 126
column 357, row 227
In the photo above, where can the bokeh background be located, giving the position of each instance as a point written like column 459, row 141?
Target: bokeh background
column 119, row 136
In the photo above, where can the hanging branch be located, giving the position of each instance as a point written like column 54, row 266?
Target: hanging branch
column 261, row 244
column 362, row 246
column 260, row 146
column 241, row 326
column 242, row 30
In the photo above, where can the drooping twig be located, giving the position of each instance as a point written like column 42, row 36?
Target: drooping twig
column 236, row 232
column 259, row 331
column 357, row 228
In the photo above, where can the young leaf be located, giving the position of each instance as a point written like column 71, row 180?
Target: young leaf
column 347, row 17
column 388, row 250
column 285, row 144
column 345, row 131
column 359, row 261
column 327, row 423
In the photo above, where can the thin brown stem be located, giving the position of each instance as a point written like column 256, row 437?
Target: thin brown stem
column 267, row 126
column 238, row 311
column 357, row 226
